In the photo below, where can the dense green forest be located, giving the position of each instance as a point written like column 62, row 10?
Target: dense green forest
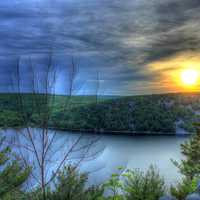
column 164, row 113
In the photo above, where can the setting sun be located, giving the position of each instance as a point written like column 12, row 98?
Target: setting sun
column 189, row 77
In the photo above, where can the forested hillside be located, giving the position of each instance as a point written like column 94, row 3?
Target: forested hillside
column 166, row 113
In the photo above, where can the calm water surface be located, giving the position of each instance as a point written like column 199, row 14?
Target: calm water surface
column 127, row 151
column 139, row 152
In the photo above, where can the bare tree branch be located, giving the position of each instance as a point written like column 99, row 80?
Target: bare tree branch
column 38, row 147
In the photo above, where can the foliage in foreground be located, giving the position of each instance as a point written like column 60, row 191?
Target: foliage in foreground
column 190, row 165
column 137, row 185
column 12, row 174
column 69, row 185
column 128, row 185
column 183, row 188
column 131, row 184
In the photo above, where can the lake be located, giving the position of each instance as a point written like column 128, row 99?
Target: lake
column 113, row 151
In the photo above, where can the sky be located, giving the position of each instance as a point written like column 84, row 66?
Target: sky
column 121, row 47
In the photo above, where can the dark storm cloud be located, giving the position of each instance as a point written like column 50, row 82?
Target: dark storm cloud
column 177, row 29
column 116, row 38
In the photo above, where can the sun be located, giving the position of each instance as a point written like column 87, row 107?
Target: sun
column 189, row 77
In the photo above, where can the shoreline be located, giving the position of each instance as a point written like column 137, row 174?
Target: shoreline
column 107, row 132
column 123, row 132
column 128, row 133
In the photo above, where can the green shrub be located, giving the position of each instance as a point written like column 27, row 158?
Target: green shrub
column 182, row 189
column 136, row 185
column 15, row 195
column 190, row 165
column 143, row 186
column 114, row 187
column 12, row 174
column 71, row 185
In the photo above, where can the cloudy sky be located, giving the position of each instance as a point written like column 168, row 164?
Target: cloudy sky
column 135, row 46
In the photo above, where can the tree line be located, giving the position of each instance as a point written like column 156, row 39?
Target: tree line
column 167, row 113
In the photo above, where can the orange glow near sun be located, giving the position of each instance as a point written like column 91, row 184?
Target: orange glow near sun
column 178, row 73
